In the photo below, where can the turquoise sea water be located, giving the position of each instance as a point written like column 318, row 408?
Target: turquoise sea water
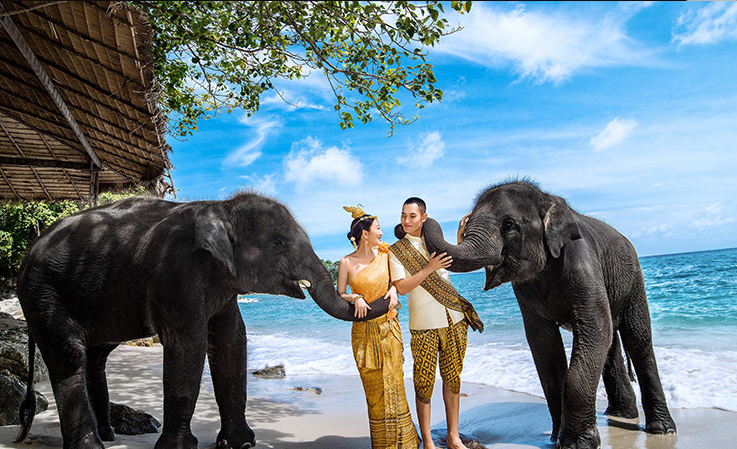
column 693, row 308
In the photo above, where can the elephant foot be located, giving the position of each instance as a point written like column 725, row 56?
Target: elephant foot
column 89, row 440
column 243, row 438
column 171, row 440
column 622, row 411
column 587, row 440
column 661, row 427
column 106, row 433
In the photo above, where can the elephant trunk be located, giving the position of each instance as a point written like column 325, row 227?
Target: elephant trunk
column 473, row 253
column 323, row 292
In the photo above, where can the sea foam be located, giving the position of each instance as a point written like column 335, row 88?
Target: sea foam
column 691, row 378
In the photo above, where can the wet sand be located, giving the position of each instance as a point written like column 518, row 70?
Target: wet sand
column 285, row 418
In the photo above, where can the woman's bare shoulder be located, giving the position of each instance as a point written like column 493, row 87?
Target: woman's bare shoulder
column 348, row 259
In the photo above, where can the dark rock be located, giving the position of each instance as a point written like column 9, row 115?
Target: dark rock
column 14, row 370
column 276, row 371
column 12, row 393
column 14, row 351
column 316, row 390
column 127, row 421
column 440, row 438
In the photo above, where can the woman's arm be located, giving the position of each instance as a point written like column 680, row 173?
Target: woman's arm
column 361, row 307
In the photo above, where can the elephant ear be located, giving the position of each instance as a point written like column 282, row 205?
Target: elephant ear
column 211, row 234
column 560, row 226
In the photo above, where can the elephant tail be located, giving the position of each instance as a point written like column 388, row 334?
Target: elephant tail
column 28, row 407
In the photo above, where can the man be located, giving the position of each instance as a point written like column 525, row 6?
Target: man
column 438, row 320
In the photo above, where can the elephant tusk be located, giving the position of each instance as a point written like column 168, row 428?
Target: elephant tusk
column 306, row 283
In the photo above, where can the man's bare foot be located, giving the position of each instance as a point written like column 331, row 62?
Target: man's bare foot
column 429, row 445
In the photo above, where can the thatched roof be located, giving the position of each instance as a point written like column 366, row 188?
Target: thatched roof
column 77, row 101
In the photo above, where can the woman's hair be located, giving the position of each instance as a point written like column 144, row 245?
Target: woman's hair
column 358, row 225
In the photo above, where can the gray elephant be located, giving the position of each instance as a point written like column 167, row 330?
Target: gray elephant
column 569, row 271
column 144, row 266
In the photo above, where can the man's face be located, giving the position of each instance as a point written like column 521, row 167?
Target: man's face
column 412, row 219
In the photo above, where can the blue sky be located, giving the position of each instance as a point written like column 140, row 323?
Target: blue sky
column 626, row 110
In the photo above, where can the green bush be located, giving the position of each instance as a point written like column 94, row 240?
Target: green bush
column 332, row 269
column 21, row 223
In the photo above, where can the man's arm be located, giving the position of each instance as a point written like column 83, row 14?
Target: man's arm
column 436, row 262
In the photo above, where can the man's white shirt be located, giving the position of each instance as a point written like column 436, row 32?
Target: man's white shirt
column 425, row 312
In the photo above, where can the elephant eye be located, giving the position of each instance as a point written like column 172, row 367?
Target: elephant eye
column 509, row 226
column 278, row 241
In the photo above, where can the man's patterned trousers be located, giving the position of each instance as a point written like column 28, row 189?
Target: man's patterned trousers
column 449, row 343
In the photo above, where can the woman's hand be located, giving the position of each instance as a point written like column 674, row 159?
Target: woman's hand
column 438, row 261
column 361, row 307
column 462, row 227
column 393, row 298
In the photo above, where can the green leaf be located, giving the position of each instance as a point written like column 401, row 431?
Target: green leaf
column 249, row 44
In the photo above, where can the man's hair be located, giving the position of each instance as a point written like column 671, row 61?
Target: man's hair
column 418, row 201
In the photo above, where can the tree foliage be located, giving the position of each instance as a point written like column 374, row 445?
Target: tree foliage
column 332, row 268
column 22, row 222
column 211, row 56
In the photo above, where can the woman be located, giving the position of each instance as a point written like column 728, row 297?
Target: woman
column 377, row 344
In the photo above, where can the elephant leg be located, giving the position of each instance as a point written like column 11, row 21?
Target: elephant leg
column 97, row 389
column 592, row 335
column 637, row 341
column 621, row 396
column 61, row 341
column 227, row 357
column 184, row 358
column 549, row 355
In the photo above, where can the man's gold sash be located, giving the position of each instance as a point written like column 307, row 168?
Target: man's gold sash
column 444, row 293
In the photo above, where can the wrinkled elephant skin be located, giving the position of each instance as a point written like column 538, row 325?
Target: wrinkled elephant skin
column 144, row 266
column 570, row 271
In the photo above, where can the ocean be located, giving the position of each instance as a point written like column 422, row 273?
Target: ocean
column 693, row 309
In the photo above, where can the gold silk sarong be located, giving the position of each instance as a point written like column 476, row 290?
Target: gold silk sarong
column 377, row 349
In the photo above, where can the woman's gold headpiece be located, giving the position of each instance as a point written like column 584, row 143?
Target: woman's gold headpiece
column 357, row 211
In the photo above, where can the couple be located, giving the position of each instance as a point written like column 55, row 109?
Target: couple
column 438, row 319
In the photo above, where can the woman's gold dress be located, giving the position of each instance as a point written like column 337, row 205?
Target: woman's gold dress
column 377, row 348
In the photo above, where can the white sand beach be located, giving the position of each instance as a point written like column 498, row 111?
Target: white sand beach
column 284, row 418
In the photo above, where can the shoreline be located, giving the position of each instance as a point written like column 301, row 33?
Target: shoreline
column 336, row 418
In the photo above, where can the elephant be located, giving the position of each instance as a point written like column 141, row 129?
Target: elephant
column 144, row 266
column 576, row 272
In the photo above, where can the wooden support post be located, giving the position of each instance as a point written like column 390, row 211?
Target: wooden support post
column 94, row 185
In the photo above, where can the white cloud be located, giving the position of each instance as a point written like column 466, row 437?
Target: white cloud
column 713, row 215
column 309, row 162
column 662, row 231
column 248, row 152
column 266, row 185
column 615, row 133
column 312, row 91
column 291, row 100
column 543, row 47
column 714, row 22
column 430, row 148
